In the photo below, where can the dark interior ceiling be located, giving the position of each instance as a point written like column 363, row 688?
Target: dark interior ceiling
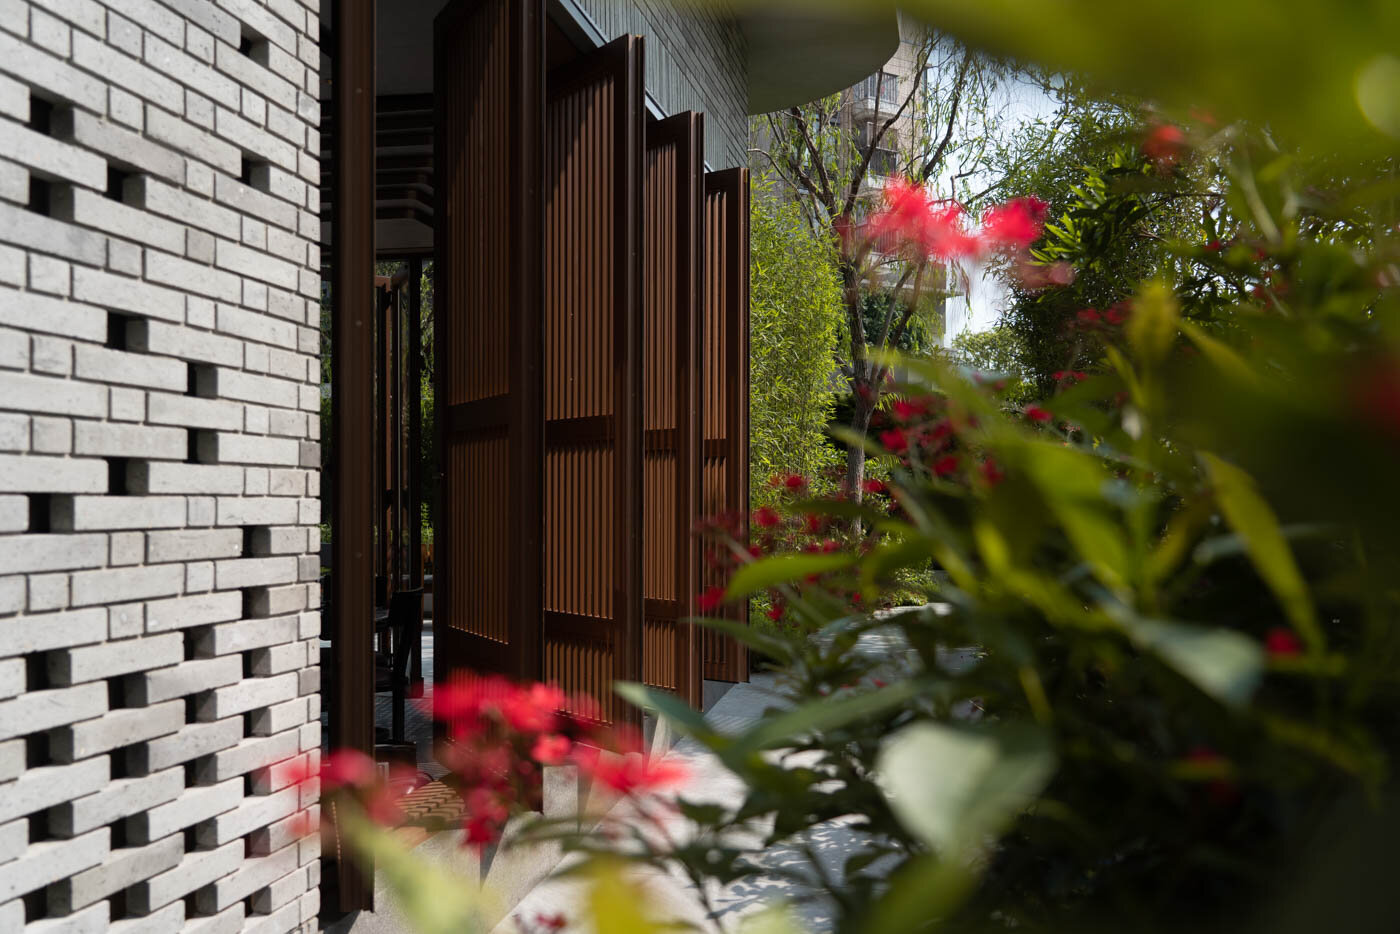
column 403, row 123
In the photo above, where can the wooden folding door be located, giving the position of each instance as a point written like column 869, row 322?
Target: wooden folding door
column 592, row 365
column 673, row 193
column 489, row 264
column 725, row 398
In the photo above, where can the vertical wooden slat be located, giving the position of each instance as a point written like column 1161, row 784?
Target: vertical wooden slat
column 674, row 193
column 593, row 384
column 353, row 316
column 415, row 420
column 488, row 260
column 725, row 406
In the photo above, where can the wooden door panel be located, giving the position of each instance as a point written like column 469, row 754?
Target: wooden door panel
column 672, row 259
column 489, row 108
column 591, row 620
column 725, row 354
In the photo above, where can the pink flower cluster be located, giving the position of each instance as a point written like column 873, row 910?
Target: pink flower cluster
column 911, row 221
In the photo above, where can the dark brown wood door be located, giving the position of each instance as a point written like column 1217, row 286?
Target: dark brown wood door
column 725, row 401
column 488, row 244
column 593, row 138
column 673, row 192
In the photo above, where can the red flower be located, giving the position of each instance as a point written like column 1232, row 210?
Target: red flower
column 766, row 517
column 712, row 597
column 632, row 773
column 907, row 410
column 894, row 440
column 991, row 472
column 775, row 612
column 794, row 481
column 1282, row 642
column 481, row 832
column 550, row 749
column 1088, row 316
column 945, row 465
column 1375, row 393
column 1164, row 145
column 532, row 709
column 1036, row 414
column 1116, row 315
column 812, row 523
column 873, row 486
column 1014, row 224
column 1213, row 246
column 347, row 768
column 555, row 922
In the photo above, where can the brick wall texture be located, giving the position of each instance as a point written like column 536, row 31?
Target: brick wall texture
column 159, row 491
column 696, row 59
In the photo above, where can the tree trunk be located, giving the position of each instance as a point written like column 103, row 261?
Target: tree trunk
column 855, row 455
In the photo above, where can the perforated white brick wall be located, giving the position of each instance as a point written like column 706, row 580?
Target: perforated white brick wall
column 159, row 307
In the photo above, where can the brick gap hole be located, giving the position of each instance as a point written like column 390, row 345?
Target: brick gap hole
column 40, row 513
column 116, row 183
column 118, row 328
column 118, row 476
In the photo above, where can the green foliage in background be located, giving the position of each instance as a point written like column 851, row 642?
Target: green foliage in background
column 998, row 352
column 795, row 315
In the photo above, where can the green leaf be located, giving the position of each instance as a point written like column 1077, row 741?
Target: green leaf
column 772, row 646
column 1073, row 484
column 782, row 569
column 1250, row 516
column 818, row 716
column 1225, row 664
column 690, row 720
column 954, row 786
column 431, row 898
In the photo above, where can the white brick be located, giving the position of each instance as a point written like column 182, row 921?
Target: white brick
column 47, row 274
column 115, row 513
column 14, row 99
column 199, row 610
column 253, row 572
column 127, row 294
column 244, row 635
column 43, row 787
column 193, row 741
column 194, row 544
column 11, row 594
column 251, row 814
column 126, row 71
column 280, row 717
column 52, row 158
column 91, row 920
column 263, row 23
column 254, row 326
column 195, row 412
column 258, row 204
column 229, row 448
column 127, row 548
column 189, row 71
column 250, row 510
column 118, row 799
column 126, row 584
column 39, row 69
column 93, row 662
column 35, row 474
column 92, row 209
column 14, row 433
column 52, row 435
column 120, row 144
column 249, row 694
column 172, row 202
column 14, row 677
column 193, row 277
column 199, row 576
column 14, row 513
column 159, row 338
column 254, row 874
column 116, row 728
column 52, row 552
column 51, row 355
column 48, row 862
column 181, row 135
column 14, row 349
column 126, row 620
column 25, row 393
column 169, row 920
column 40, row 633
column 186, row 678
column 195, row 805
column 195, row 871
column 126, row 405
column 155, row 477
column 43, row 710
column 109, row 440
